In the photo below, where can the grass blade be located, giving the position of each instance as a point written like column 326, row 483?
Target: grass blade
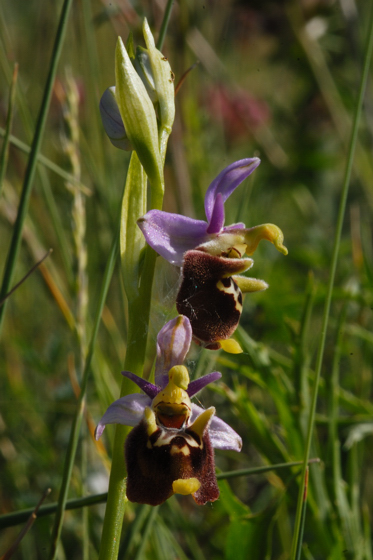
column 303, row 517
column 31, row 166
column 337, row 238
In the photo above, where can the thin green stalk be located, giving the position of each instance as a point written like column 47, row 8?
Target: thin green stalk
column 337, row 238
column 261, row 470
column 15, row 518
column 302, row 358
column 75, row 429
column 84, row 470
column 31, row 166
column 134, row 205
column 32, row 269
column 9, row 553
column 303, row 516
column 166, row 19
column 8, row 126
column 139, row 312
column 334, row 444
column 18, row 517
column 28, row 123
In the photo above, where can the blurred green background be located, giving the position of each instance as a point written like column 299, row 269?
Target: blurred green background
column 277, row 80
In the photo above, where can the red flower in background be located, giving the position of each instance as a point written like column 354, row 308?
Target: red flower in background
column 239, row 111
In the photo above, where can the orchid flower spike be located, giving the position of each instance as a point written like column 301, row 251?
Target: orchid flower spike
column 170, row 449
column 211, row 256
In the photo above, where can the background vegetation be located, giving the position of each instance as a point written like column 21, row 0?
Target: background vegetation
column 275, row 79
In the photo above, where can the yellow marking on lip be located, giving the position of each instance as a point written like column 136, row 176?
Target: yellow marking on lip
column 151, row 424
column 167, row 436
column 186, row 486
column 184, row 450
column 230, row 345
column 230, row 290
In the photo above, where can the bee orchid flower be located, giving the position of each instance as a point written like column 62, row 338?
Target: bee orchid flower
column 212, row 257
column 170, row 449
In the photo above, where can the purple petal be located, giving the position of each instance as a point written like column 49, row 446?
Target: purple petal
column 233, row 227
column 148, row 388
column 227, row 181
column 173, row 343
column 128, row 411
column 217, row 215
column 198, row 384
column 170, row 235
column 112, row 120
column 222, row 436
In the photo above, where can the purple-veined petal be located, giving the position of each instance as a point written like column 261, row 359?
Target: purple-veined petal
column 226, row 182
column 170, row 235
column 148, row 388
column 127, row 411
column 238, row 226
column 173, row 343
column 112, row 120
column 222, row 436
column 217, row 215
column 198, row 384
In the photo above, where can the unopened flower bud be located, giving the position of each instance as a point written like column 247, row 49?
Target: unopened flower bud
column 112, row 121
column 138, row 114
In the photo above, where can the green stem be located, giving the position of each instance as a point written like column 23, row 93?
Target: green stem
column 138, row 319
column 18, row 517
column 261, row 470
column 303, row 516
column 337, row 238
column 31, row 166
column 166, row 19
column 75, row 429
